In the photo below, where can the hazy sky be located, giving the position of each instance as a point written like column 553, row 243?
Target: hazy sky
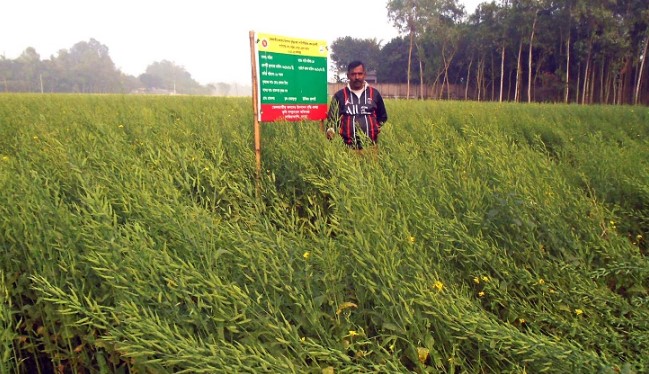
column 209, row 38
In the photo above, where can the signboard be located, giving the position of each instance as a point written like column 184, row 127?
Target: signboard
column 291, row 78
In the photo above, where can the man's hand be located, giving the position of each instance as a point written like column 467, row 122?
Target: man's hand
column 331, row 133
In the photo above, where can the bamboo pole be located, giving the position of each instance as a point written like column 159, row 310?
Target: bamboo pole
column 255, row 105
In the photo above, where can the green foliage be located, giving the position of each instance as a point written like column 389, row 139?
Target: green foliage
column 171, row 77
column 347, row 49
column 138, row 237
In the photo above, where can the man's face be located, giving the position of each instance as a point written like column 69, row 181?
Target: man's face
column 356, row 77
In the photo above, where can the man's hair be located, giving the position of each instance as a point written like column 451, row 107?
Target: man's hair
column 354, row 64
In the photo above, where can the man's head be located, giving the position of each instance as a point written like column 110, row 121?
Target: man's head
column 356, row 74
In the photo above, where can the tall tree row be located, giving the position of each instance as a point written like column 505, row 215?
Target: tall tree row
column 581, row 51
column 586, row 51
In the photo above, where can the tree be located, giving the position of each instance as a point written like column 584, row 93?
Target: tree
column 222, row 88
column 87, row 67
column 447, row 31
column 173, row 78
column 347, row 49
column 151, row 81
column 419, row 17
column 597, row 38
column 634, row 20
column 394, row 55
column 487, row 34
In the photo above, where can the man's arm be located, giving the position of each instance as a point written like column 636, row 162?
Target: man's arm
column 381, row 112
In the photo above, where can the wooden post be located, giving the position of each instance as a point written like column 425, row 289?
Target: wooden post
column 255, row 105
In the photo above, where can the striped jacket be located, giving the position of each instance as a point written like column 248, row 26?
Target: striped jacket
column 350, row 114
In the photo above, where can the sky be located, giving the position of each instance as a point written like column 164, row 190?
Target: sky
column 209, row 38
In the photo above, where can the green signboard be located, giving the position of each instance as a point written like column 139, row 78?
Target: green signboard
column 292, row 78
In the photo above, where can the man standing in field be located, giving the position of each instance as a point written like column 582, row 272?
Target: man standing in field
column 357, row 111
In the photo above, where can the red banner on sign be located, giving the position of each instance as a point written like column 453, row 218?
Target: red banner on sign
column 293, row 112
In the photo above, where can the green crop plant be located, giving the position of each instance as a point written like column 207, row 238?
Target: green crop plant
column 138, row 237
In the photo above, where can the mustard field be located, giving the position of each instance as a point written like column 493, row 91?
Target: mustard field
column 138, row 237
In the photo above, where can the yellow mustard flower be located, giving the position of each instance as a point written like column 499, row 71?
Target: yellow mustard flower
column 485, row 278
column 422, row 354
column 345, row 305
column 5, row 158
column 476, row 280
column 306, row 255
column 541, row 281
column 353, row 333
column 579, row 312
column 411, row 239
column 481, row 294
column 438, row 285
column 121, row 126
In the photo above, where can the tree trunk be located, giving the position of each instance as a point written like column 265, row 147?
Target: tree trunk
column 591, row 85
column 517, row 91
column 608, row 81
column 502, row 72
column 626, row 81
column 529, row 59
column 468, row 79
column 421, row 79
column 493, row 78
column 480, row 79
column 447, row 64
column 578, row 82
column 509, row 85
column 421, row 71
column 638, row 83
column 412, row 34
column 603, row 89
column 438, row 93
column 585, row 99
column 567, row 98
column 535, row 76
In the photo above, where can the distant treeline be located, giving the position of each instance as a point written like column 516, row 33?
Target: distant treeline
column 88, row 68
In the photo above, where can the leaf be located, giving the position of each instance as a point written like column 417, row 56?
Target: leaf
column 391, row 327
column 429, row 342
